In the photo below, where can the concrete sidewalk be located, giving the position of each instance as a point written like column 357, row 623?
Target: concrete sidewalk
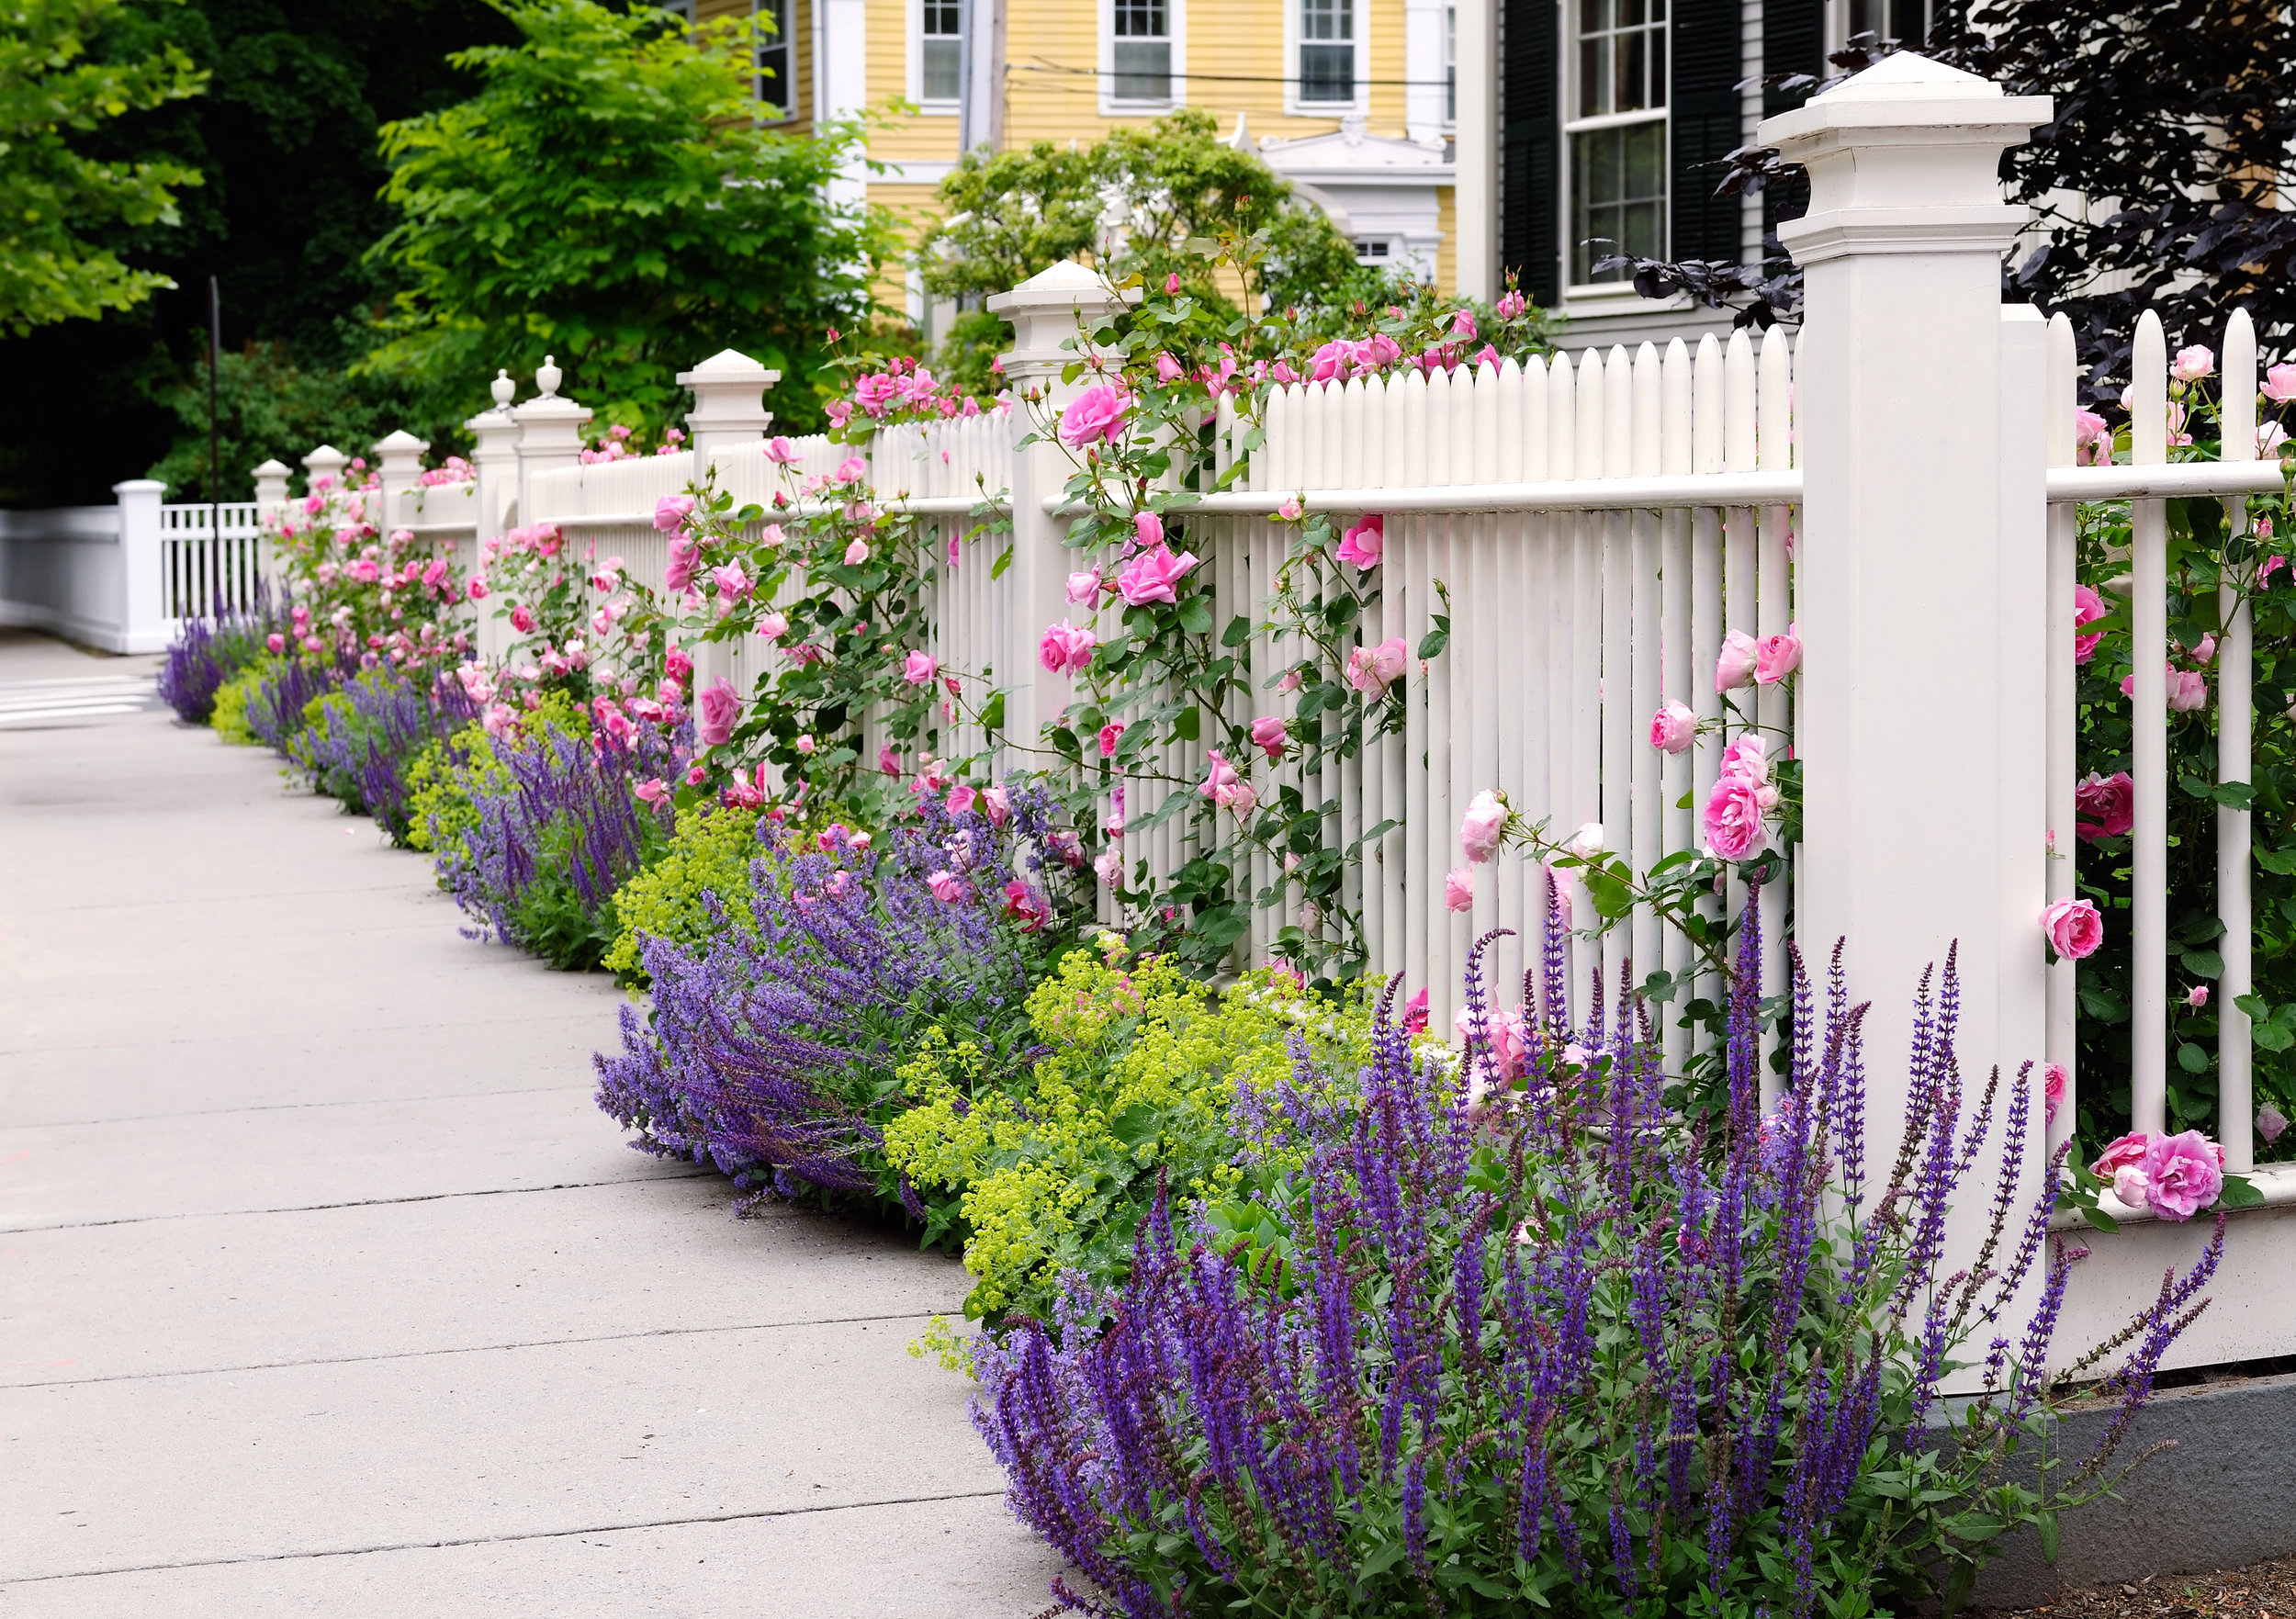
column 325, row 1288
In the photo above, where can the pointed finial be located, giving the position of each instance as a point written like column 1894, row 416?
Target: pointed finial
column 549, row 376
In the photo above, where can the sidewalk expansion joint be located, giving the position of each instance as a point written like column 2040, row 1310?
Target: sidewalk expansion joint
column 90, row 1225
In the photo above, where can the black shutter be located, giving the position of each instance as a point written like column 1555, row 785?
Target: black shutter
column 1530, row 148
column 1793, row 41
column 1708, row 64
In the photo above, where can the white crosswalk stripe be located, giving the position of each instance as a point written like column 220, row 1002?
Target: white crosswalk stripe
column 36, row 701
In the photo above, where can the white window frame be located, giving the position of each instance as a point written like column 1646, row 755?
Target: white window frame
column 916, row 34
column 1175, row 25
column 1595, row 291
column 1293, row 106
column 1451, row 67
column 683, row 9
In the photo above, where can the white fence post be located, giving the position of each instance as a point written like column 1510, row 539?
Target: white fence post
column 326, row 461
column 549, row 434
column 142, row 615
column 494, row 464
column 1920, row 567
column 271, row 500
column 1049, row 308
column 399, row 466
column 729, row 404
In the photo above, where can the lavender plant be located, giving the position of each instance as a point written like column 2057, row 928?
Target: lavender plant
column 363, row 738
column 1516, row 1334
column 774, row 1054
column 207, row 652
column 556, row 825
column 278, row 708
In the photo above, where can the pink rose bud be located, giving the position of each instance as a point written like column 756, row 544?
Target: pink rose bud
column 2074, row 927
column 1268, row 735
column 1289, row 511
column 1482, row 825
column 1084, row 588
column 1735, row 666
column 1776, row 656
column 1169, row 369
column 477, row 588
column 2053, row 1081
column 1458, row 889
column 1147, row 530
column 1291, row 682
column 1111, row 733
column 805, row 742
column 2198, row 996
column 780, row 451
column 1673, row 728
column 523, row 619
column 1171, row 284
column 275, row 642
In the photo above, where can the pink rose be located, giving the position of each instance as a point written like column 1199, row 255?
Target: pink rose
column 947, row 886
column 888, row 761
column 1065, row 648
column 685, row 559
column 1482, row 825
column 2074, row 927
column 1463, row 325
column 275, row 642
column 1748, row 758
column 1111, row 733
column 1110, row 869
column 1776, row 656
column 716, row 713
column 856, row 553
column 1151, row 575
column 2192, row 363
column 2111, row 801
column 653, row 791
column 2087, row 608
column 1735, row 666
column 1092, row 416
column 2053, row 1083
column 1268, row 735
column 960, row 798
column 919, row 668
column 1169, row 369
column 1363, row 543
column 2183, row 1175
column 732, row 584
column 1221, row 777
column 853, row 470
column 1458, row 889
column 1023, row 905
column 2279, row 383
column 1331, row 360
column 523, row 619
column 2092, row 439
column 773, row 627
column 1733, row 819
column 2188, row 691
column 2197, row 997
column 804, row 743
column 1673, row 728
column 780, row 451
column 671, row 511
column 1290, row 512
column 1416, row 1014
column 997, row 803
column 1147, row 530
column 678, row 664
column 1084, row 588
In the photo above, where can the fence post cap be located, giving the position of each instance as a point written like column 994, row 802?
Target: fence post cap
column 1051, row 307
column 729, row 365
column 400, row 441
column 1905, row 92
column 502, row 388
column 140, row 486
column 326, row 458
column 273, row 468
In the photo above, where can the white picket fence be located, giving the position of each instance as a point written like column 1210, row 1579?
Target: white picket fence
column 211, row 558
column 1900, row 486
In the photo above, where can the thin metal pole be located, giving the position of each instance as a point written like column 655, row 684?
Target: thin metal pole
column 215, row 459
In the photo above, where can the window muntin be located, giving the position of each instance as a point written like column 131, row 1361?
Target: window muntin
column 1142, row 51
column 1450, row 64
column 1327, row 50
column 1617, row 134
column 941, row 60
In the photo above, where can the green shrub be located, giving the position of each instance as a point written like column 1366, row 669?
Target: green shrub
column 230, row 707
column 1140, row 1067
column 709, row 854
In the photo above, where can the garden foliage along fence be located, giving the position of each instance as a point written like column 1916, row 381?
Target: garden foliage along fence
column 1898, row 486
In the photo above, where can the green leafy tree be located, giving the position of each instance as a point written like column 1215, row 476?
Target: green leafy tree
column 1148, row 201
column 54, row 195
column 267, row 406
column 608, row 199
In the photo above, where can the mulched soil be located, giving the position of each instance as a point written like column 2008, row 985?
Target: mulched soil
column 2268, row 1591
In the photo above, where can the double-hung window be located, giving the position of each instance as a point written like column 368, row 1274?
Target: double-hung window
column 1141, row 53
column 1617, row 133
column 776, row 88
column 1327, row 51
column 940, row 63
column 1906, row 21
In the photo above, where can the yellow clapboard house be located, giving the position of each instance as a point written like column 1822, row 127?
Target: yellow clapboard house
column 1350, row 99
